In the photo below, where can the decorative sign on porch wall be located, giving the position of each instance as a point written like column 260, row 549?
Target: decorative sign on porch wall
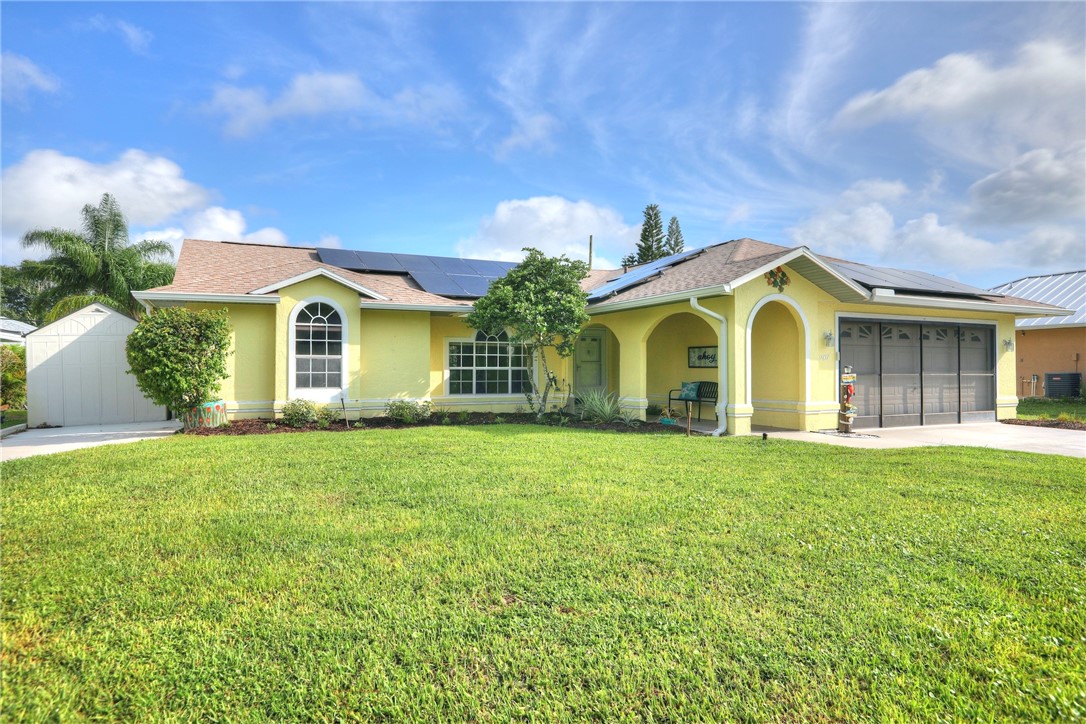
column 777, row 278
column 701, row 356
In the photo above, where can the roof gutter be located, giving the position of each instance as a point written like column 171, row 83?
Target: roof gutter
column 392, row 307
column 722, row 369
column 147, row 298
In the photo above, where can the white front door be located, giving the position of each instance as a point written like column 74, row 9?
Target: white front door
column 589, row 372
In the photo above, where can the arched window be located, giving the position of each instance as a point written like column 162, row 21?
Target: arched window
column 318, row 347
column 487, row 365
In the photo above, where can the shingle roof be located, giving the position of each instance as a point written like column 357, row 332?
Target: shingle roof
column 1067, row 290
column 221, row 267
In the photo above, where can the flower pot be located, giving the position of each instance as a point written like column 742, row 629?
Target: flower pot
column 207, row 414
column 667, row 421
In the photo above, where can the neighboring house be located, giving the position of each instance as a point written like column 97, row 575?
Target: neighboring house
column 77, row 372
column 1049, row 345
column 326, row 324
column 12, row 331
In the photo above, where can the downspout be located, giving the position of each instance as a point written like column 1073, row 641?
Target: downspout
column 722, row 365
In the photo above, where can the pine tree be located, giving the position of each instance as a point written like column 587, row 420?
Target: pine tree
column 674, row 242
column 651, row 245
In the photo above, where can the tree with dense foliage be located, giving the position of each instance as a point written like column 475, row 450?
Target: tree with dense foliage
column 97, row 264
column 652, row 245
column 178, row 356
column 13, row 375
column 539, row 304
column 20, row 287
column 674, row 242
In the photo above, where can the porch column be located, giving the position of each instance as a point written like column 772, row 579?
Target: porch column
column 632, row 369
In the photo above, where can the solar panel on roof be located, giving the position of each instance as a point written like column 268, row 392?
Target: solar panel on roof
column 473, row 285
column 903, row 279
column 487, row 268
column 416, row 262
column 440, row 284
column 640, row 274
column 379, row 261
column 343, row 258
column 451, row 265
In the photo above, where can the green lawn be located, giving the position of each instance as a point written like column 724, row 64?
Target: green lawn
column 13, row 418
column 1042, row 408
column 522, row 572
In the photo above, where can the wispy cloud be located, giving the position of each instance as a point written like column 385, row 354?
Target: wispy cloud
column 248, row 110
column 21, row 77
column 136, row 38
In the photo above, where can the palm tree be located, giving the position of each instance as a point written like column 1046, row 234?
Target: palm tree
column 98, row 264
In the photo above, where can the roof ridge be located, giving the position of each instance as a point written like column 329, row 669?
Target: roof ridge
column 1038, row 276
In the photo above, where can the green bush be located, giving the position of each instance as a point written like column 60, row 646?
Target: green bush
column 600, row 408
column 408, row 411
column 178, row 356
column 463, row 417
column 653, row 409
column 299, row 413
column 13, row 375
column 329, row 415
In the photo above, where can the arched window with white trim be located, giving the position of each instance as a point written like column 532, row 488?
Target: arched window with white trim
column 318, row 347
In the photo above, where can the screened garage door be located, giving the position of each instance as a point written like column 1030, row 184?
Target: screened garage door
column 913, row 373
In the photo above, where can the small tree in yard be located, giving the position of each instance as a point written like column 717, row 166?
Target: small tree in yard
column 541, row 305
column 179, row 356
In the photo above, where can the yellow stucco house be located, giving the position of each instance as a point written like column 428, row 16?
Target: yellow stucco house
column 771, row 325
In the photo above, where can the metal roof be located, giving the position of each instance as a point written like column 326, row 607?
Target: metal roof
column 1067, row 290
column 14, row 325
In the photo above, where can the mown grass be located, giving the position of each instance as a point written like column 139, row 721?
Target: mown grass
column 519, row 572
column 1043, row 408
column 13, row 418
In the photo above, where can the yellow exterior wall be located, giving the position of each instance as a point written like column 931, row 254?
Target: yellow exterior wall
column 777, row 368
column 667, row 363
column 445, row 328
column 249, row 389
column 1042, row 350
column 394, row 357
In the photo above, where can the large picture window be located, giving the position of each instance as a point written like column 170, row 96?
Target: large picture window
column 318, row 347
column 487, row 366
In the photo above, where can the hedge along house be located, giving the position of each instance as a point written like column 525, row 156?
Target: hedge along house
column 365, row 327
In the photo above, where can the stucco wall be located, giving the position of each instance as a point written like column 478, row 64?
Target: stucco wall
column 1048, row 350
column 249, row 389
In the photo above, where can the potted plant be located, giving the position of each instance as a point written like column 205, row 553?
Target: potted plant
column 178, row 357
column 670, row 416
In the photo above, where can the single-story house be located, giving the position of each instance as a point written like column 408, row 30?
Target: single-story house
column 1052, row 348
column 12, row 331
column 773, row 326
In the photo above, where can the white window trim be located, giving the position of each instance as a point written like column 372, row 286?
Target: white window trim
column 315, row 394
column 485, row 395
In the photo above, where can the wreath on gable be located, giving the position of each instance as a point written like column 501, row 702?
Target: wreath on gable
column 777, row 278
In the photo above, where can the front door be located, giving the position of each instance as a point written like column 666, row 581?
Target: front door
column 588, row 370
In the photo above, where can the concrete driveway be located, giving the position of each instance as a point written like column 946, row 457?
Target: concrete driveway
column 996, row 435
column 62, row 439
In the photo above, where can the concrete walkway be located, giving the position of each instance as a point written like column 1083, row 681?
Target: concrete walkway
column 995, row 435
column 62, row 439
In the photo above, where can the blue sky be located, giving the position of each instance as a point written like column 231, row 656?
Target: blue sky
column 940, row 136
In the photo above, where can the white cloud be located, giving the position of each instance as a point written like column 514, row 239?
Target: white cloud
column 986, row 114
column 860, row 227
column 739, row 212
column 136, row 38
column 309, row 94
column 19, row 77
column 1041, row 185
column 248, row 110
column 554, row 225
column 48, row 189
column 329, row 241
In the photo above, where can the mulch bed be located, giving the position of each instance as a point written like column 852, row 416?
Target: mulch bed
column 273, row 427
column 1061, row 424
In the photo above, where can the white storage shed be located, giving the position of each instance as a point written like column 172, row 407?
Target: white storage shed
column 77, row 373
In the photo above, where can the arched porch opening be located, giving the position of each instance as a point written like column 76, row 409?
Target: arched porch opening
column 596, row 358
column 777, row 367
column 682, row 347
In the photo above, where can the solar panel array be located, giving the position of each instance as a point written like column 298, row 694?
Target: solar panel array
column 442, row 275
column 639, row 274
column 903, row 280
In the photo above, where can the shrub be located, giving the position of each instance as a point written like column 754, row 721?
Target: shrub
column 629, row 418
column 463, row 417
column 178, row 356
column 653, row 409
column 599, row 407
column 328, row 415
column 13, row 375
column 299, row 413
column 443, row 415
column 407, row 411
